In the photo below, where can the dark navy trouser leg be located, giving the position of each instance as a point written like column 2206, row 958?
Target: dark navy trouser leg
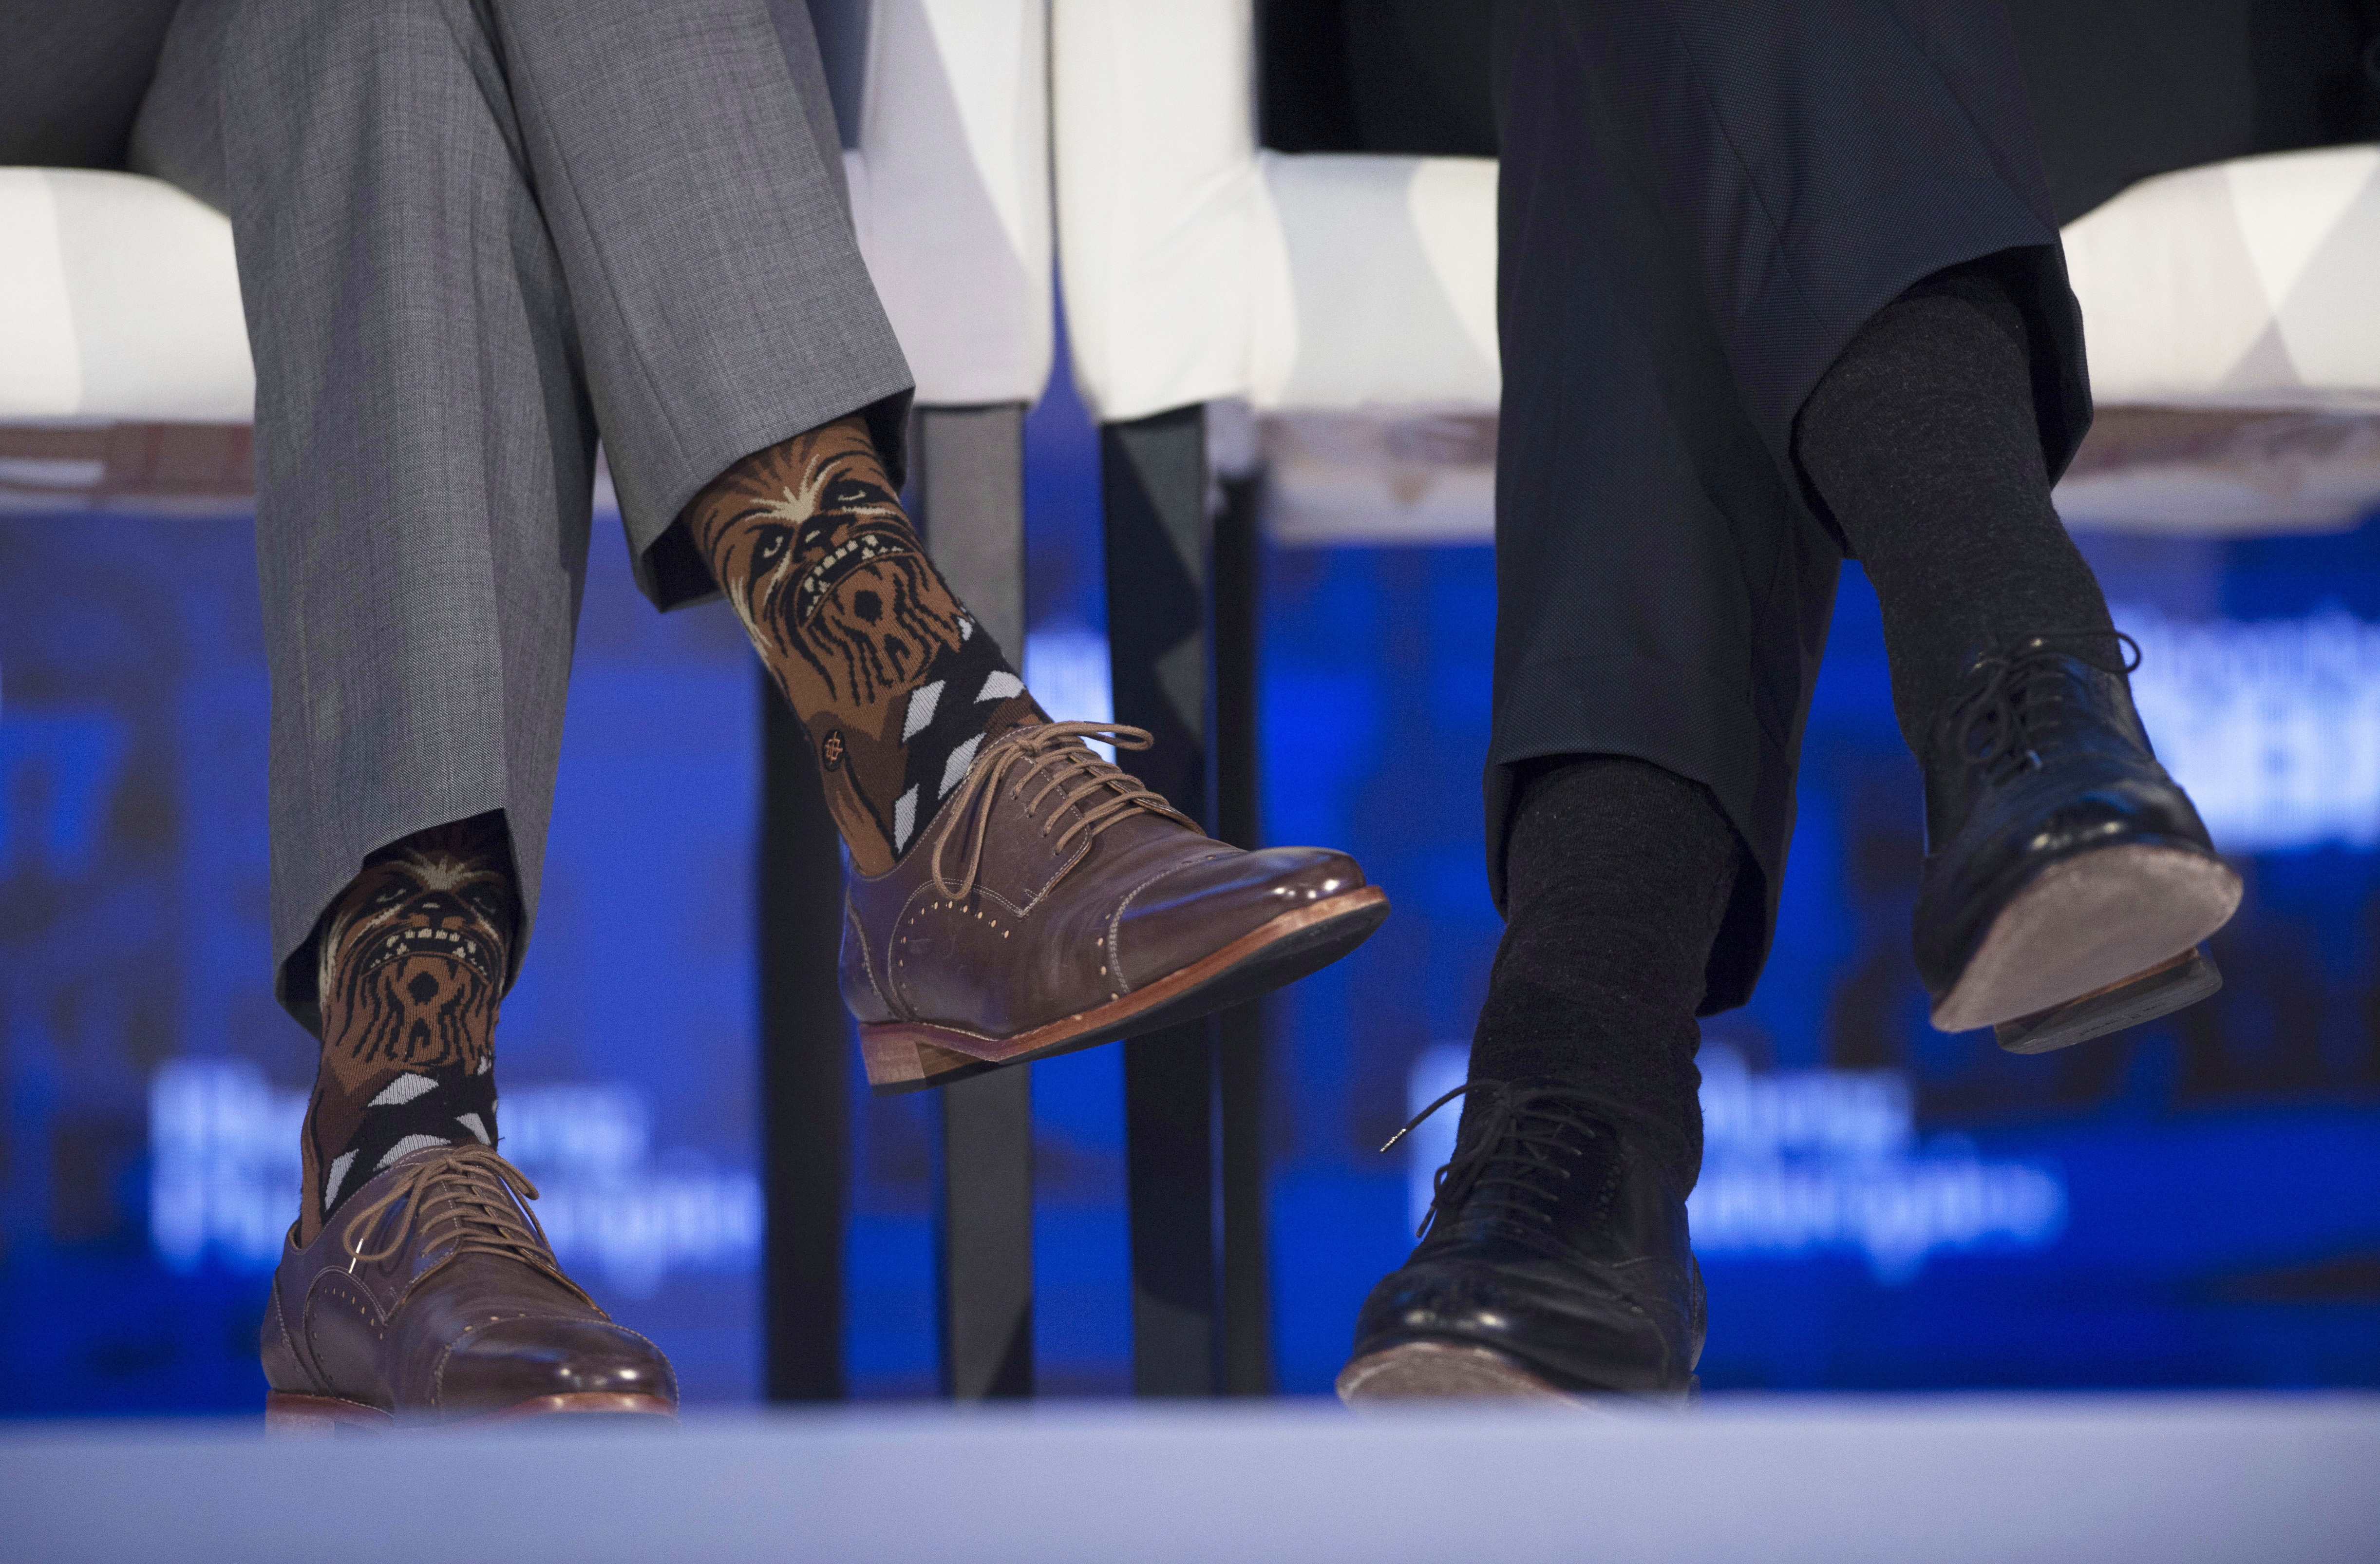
column 1701, row 202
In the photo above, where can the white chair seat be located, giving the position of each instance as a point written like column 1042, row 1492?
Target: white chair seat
column 950, row 193
column 1196, row 266
column 119, row 299
column 2249, row 284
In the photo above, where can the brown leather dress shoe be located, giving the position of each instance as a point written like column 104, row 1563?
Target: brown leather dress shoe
column 434, row 1299
column 1062, row 904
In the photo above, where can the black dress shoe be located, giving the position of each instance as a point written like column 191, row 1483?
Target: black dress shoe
column 1554, row 1264
column 2068, row 880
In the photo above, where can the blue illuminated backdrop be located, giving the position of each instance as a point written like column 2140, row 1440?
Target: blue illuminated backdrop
column 2194, row 1203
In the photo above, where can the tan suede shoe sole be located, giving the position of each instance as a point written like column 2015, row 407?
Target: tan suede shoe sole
column 2094, row 923
column 314, row 1416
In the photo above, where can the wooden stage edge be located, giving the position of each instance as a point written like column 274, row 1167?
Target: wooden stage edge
column 1746, row 1480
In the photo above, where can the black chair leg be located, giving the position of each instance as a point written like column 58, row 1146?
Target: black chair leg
column 984, row 1243
column 1242, row 1054
column 806, row 1052
column 969, row 466
column 1162, row 634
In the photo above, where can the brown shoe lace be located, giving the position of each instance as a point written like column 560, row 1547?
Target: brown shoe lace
column 1069, row 767
column 462, row 1197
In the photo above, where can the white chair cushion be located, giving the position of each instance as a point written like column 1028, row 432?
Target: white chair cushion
column 1380, row 289
column 950, row 191
column 1197, row 268
column 2254, row 283
column 1160, row 217
column 118, row 300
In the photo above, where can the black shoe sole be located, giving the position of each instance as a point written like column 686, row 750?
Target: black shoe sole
column 1448, row 1371
column 2184, row 980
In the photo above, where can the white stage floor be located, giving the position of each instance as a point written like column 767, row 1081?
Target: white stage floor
column 1942, row 1480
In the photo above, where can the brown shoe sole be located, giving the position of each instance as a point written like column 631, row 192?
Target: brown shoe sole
column 286, row 1414
column 1445, row 1370
column 2086, row 927
column 912, row 1055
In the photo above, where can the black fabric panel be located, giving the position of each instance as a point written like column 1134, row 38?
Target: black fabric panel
column 1375, row 76
column 1417, row 71
column 2125, row 89
column 1304, row 103
column 2120, row 89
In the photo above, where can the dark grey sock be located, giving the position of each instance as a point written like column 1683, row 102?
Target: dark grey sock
column 1922, row 440
column 1617, row 877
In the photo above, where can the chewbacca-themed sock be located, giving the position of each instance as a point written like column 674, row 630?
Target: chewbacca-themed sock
column 412, row 962
column 895, row 682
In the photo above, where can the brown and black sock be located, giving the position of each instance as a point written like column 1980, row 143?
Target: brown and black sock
column 894, row 679
column 412, row 961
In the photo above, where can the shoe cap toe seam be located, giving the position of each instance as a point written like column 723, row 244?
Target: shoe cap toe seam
column 1123, row 904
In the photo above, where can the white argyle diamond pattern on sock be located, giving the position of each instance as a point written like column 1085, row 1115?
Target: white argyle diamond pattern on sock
column 404, row 1089
column 339, row 1167
column 922, row 702
column 407, row 1146
column 961, row 759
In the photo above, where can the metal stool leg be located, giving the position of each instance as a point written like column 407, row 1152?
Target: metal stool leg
column 970, row 493
column 1153, row 486
column 805, row 1068
column 1247, row 1269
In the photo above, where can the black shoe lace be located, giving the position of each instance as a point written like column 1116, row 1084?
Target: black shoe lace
column 1524, row 1146
column 1998, row 723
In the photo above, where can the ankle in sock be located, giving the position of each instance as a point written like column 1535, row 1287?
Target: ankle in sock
column 1618, row 876
column 1922, row 440
column 891, row 676
column 412, row 961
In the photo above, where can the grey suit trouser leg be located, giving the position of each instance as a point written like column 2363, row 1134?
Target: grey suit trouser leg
column 473, row 236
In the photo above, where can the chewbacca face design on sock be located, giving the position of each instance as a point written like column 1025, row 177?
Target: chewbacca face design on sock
column 867, row 642
column 412, row 963
column 826, row 572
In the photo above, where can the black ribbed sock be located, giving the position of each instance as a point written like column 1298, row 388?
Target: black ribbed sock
column 1922, row 440
column 1617, row 878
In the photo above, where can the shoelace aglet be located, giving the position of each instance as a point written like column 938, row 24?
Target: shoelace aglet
column 1414, row 1122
